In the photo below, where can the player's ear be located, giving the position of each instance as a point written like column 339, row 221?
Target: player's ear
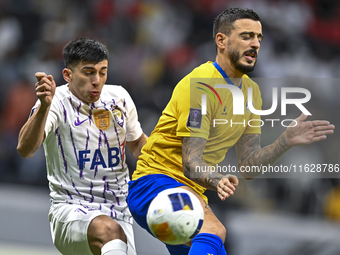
column 220, row 40
column 67, row 74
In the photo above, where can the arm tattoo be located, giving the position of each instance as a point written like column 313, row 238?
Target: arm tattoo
column 194, row 167
column 250, row 153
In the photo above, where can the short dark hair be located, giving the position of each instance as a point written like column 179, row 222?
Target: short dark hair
column 84, row 50
column 225, row 20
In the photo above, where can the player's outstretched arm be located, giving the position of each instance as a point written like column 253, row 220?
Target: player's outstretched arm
column 198, row 171
column 32, row 133
column 299, row 132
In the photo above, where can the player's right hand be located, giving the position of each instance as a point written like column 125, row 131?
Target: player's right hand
column 45, row 88
column 226, row 186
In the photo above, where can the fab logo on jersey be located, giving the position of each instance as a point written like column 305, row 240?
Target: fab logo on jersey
column 96, row 158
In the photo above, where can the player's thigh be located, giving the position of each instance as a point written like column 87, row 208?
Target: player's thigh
column 69, row 225
column 211, row 223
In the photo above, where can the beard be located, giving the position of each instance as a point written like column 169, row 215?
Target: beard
column 235, row 61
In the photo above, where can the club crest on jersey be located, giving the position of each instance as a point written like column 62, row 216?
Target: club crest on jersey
column 118, row 116
column 102, row 119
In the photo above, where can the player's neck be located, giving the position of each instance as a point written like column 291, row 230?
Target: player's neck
column 233, row 74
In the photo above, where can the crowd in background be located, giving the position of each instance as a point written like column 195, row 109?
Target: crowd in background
column 152, row 45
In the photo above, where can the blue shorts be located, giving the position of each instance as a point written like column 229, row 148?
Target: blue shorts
column 141, row 192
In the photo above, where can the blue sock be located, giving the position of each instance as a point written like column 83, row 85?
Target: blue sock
column 205, row 243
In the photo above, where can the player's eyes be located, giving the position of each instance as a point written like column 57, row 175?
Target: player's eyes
column 90, row 73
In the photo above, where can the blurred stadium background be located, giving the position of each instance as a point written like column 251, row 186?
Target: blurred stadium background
column 153, row 44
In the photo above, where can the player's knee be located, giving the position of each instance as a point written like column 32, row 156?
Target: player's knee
column 218, row 229
column 222, row 232
column 102, row 230
column 113, row 231
column 105, row 229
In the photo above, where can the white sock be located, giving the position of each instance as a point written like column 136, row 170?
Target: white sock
column 114, row 247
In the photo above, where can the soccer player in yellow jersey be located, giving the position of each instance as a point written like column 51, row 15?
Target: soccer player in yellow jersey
column 188, row 138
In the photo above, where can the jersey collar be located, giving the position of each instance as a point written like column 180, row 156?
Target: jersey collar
column 225, row 76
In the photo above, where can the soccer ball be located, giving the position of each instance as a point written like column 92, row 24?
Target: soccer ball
column 175, row 216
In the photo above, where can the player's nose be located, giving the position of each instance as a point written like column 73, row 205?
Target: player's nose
column 95, row 80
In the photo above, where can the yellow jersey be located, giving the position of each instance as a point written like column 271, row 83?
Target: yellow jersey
column 183, row 117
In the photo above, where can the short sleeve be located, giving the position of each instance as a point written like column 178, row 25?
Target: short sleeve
column 133, row 127
column 191, row 121
column 52, row 117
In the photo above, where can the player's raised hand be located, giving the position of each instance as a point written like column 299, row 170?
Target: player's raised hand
column 45, row 88
column 302, row 132
column 226, row 186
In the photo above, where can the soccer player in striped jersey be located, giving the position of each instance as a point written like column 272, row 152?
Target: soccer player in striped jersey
column 185, row 139
column 85, row 126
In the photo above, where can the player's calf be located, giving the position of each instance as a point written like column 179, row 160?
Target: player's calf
column 212, row 225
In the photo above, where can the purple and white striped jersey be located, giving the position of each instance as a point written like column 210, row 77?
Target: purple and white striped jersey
column 85, row 149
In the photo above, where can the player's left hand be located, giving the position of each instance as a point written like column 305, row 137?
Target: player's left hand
column 301, row 132
column 226, row 186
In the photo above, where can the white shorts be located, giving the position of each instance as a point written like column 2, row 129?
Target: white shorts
column 69, row 225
